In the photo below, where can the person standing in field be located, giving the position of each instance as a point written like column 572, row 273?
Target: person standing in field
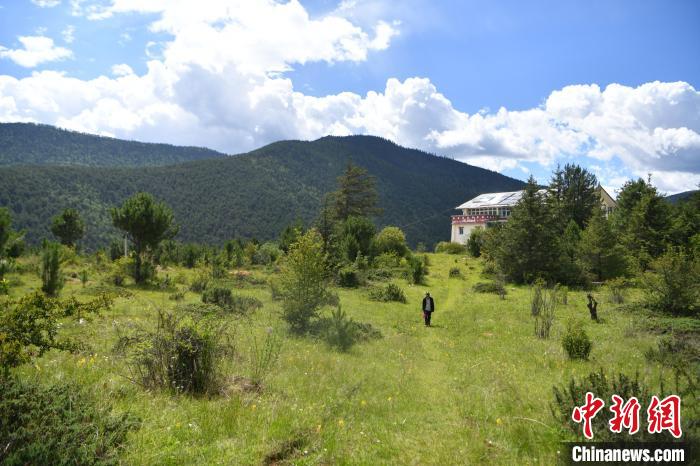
column 428, row 308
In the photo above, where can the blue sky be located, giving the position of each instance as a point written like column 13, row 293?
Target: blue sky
column 513, row 86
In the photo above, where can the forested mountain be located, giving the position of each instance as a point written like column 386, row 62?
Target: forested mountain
column 255, row 194
column 28, row 143
column 674, row 198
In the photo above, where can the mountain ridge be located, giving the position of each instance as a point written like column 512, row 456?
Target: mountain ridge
column 39, row 144
column 255, row 194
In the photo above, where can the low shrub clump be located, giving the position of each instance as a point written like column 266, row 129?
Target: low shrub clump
column 58, row 424
column 229, row 302
column 489, row 287
column 181, row 354
column 573, row 394
column 416, row 270
column 446, row 247
column 576, row 342
column 348, row 277
column 616, row 290
column 342, row 333
column 390, row 292
column 218, row 295
column 455, row 272
column 199, row 282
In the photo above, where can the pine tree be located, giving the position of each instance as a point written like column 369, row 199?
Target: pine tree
column 356, row 195
column 304, row 281
column 146, row 223
column 51, row 277
column 68, row 227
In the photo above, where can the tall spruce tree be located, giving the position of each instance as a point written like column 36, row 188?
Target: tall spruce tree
column 528, row 246
column 599, row 250
column 574, row 194
column 356, row 195
column 641, row 220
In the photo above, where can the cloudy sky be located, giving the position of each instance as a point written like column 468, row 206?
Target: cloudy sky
column 512, row 86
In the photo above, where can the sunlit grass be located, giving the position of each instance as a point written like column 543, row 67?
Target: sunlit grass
column 474, row 388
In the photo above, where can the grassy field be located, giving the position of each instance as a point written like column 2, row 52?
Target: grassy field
column 474, row 388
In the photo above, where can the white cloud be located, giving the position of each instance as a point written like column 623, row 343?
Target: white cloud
column 36, row 50
column 68, row 34
column 219, row 81
column 122, row 70
column 46, row 3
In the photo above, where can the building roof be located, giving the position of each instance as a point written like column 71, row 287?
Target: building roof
column 508, row 199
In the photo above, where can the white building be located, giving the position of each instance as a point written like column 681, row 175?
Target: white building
column 496, row 207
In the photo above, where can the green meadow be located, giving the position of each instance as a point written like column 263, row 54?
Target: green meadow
column 475, row 388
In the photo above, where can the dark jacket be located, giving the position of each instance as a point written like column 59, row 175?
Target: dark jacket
column 425, row 303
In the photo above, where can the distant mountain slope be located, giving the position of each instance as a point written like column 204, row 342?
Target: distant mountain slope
column 255, row 194
column 27, row 143
column 674, row 198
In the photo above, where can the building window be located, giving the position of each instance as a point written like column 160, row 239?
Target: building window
column 461, row 230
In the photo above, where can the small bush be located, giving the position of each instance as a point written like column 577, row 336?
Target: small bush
column 390, row 240
column 380, row 274
column 244, row 304
column 84, row 277
column 417, row 270
column 164, row 283
column 489, row 287
column 181, row 354
column 390, row 292
column 567, row 397
column 348, row 277
column 387, row 260
column 229, row 302
column 475, row 242
column 446, row 247
column 118, row 279
column 536, row 298
column 218, row 295
column 199, row 282
column 264, row 356
column 218, row 266
column 58, row 424
column 51, row 277
column 616, row 290
column 576, row 342
column 29, row 326
column 455, row 272
column 342, row 333
column 542, row 307
column 303, row 282
column 178, row 295
column 562, row 293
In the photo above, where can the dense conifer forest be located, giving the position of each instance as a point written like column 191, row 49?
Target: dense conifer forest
column 250, row 195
